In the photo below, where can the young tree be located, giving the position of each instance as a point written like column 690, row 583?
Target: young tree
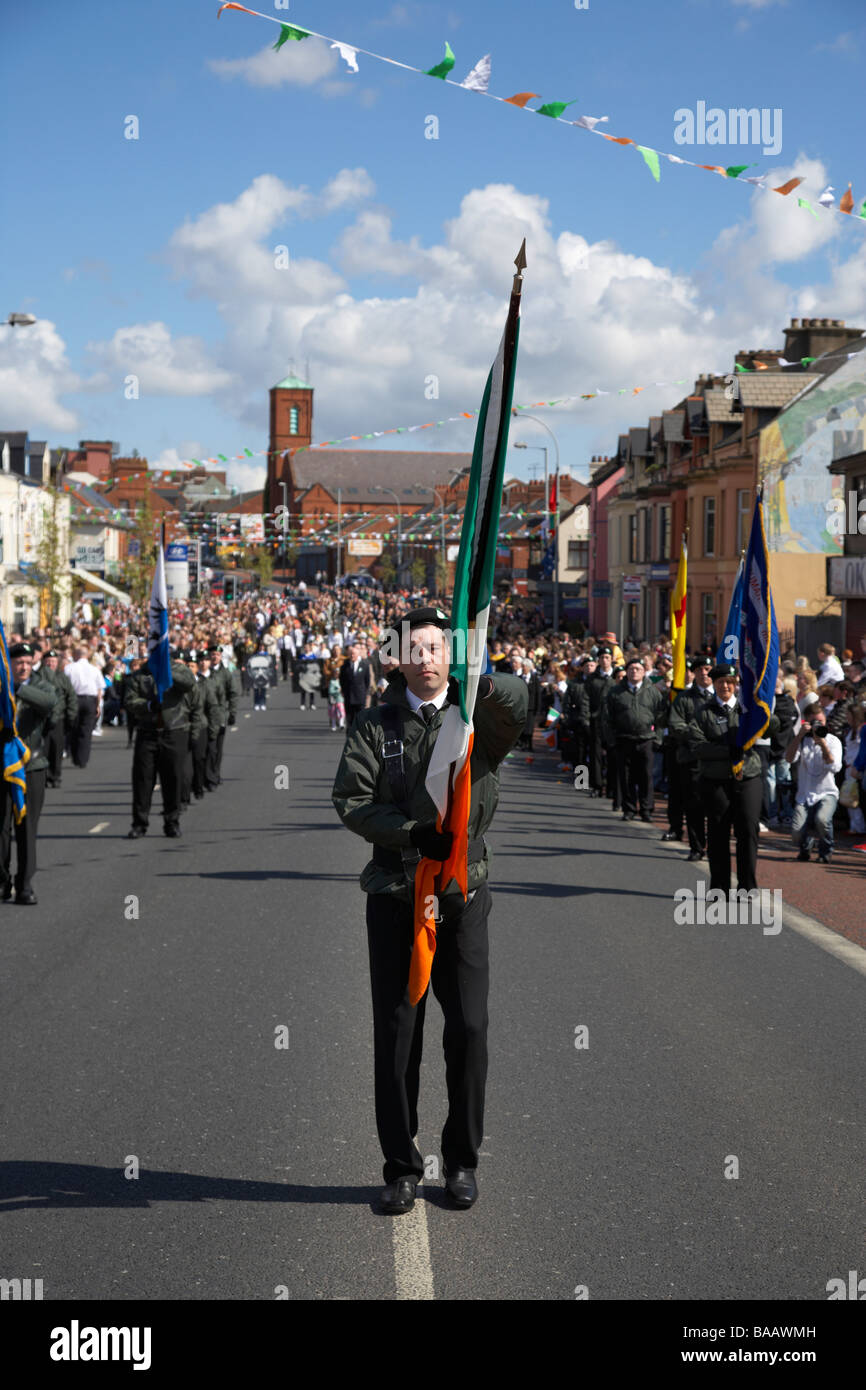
column 52, row 558
column 137, row 573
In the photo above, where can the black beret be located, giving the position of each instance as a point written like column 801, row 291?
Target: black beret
column 20, row 649
column 723, row 669
column 696, row 661
column 605, row 650
column 52, row 652
column 424, row 617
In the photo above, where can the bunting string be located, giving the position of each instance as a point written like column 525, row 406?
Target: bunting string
column 478, row 79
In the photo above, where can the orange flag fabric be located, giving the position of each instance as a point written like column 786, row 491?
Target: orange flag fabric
column 846, row 202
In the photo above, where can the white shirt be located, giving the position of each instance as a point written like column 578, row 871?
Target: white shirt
column 830, row 671
column 85, row 678
column 815, row 777
column 415, row 701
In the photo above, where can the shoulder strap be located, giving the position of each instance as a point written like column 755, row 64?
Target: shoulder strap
column 392, row 753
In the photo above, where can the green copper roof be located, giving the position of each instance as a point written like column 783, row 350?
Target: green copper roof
column 293, row 382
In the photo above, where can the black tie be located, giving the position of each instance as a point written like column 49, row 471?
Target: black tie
column 428, row 710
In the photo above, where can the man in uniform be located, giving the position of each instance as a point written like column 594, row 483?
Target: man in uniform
column 685, row 770
column 35, row 702
column 730, row 799
column 630, row 715
column 593, row 692
column 64, row 719
column 384, row 799
column 225, row 687
column 210, row 726
column 164, row 730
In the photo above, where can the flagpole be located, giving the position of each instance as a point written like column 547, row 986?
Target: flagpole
column 556, row 558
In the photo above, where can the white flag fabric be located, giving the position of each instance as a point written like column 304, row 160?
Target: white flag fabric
column 349, row 55
column 478, row 80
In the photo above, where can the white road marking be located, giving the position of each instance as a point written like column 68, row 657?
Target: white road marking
column 103, row 824
column 412, row 1268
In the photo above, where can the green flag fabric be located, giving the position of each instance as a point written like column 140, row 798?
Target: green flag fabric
column 442, row 69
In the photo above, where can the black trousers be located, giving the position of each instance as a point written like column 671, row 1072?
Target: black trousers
column 459, row 979
column 634, row 762
column 597, row 758
column 162, row 753
column 82, row 733
column 695, row 815
column 199, row 758
column 54, row 736
column 285, row 660
column 214, row 765
column 25, row 833
column 676, row 789
column 732, row 805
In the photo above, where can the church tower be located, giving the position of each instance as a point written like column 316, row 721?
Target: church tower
column 291, row 428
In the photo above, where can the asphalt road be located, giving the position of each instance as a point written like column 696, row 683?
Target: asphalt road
column 152, row 1037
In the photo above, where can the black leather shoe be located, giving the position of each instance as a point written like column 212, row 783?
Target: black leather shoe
column 645, row 816
column 804, row 856
column 136, row 832
column 628, row 815
column 6, row 895
column 27, row 898
column 399, row 1196
column 695, row 854
column 671, row 835
column 173, row 832
column 461, row 1186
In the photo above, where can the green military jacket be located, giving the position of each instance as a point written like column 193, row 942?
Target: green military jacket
column 182, row 707
column 66, row 708
column 213, row 709
column 35, row 705
column 362, row 792
column 683, row 710
column 224, row 688
column 633, row 714
column 713, row 738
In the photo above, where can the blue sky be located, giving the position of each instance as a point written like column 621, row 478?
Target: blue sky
column 155, row 256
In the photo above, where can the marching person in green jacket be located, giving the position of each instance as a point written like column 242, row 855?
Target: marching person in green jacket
column 164, row 730
column 36, row 701
column 65, row 716
column 730, row 799
column 380, row 794
column 630, row 715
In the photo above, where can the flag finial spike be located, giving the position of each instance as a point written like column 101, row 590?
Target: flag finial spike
column 520, row 262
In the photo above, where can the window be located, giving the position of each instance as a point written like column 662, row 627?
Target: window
column 664, row 622
column 664, row 535
column 293, row 419
column 647, row 533
column 744, row 500
column 632, row 537
column 708, row 618
column 709, row 525
column 19, row 614
column 578, row 555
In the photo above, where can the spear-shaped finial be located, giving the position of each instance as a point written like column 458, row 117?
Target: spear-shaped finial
column 520, row 262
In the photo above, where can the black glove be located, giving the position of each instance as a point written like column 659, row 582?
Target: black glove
column 153, row 704
column 231, row 720
column 485, row 686
column 433, row 843
column 453, row 691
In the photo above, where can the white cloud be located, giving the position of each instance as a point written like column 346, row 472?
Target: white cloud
column 297, row 64
column 164, row 366
column 778, row 230
column 34, row 374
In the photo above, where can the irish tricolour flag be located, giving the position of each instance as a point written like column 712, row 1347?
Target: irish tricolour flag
column 449, row 778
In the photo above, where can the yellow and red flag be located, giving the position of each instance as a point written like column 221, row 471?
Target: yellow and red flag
column 678, row 623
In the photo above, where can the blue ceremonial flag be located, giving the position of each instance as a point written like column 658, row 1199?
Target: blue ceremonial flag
column 759, row 637
column 729, row 647
column 158, row 660
column 16, row 754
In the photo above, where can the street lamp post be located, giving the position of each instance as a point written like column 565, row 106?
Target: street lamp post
column 438, row 496
column 399, row 526
column 339, row 529
column 520, row 414
column 284, row 525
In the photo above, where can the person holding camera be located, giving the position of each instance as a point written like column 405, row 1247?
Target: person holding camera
column 818, row 755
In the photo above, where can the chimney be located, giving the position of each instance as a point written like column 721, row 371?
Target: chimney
column 814, row 337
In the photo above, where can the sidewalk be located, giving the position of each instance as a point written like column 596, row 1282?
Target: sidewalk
column 833, row 894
